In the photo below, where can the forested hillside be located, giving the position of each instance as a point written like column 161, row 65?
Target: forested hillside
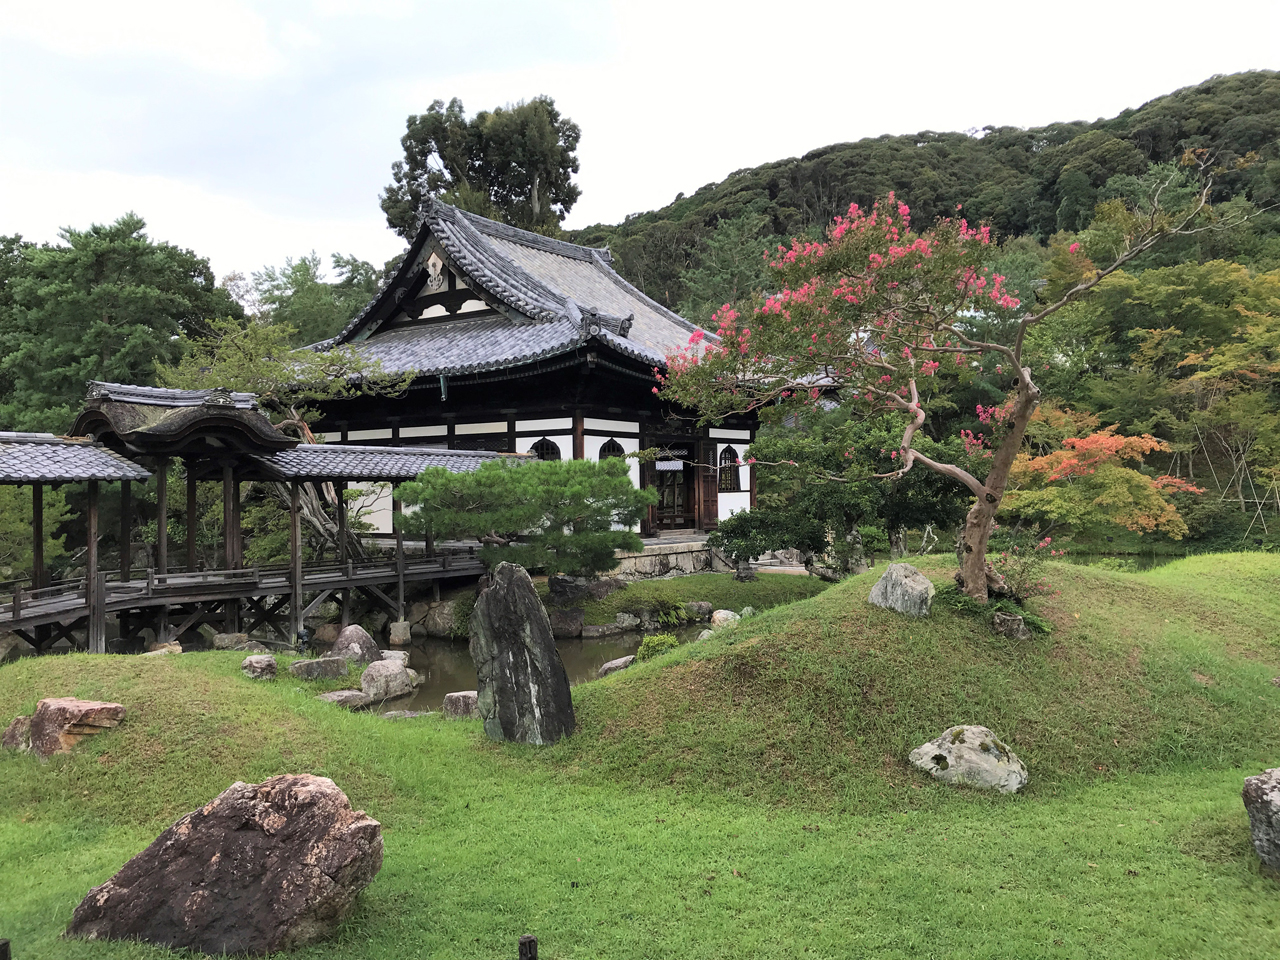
column 1032, row 182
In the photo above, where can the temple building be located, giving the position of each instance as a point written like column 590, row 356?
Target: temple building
column 520, row 343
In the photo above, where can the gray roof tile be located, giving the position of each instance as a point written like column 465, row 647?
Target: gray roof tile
column 44, row 458
column 333, row 461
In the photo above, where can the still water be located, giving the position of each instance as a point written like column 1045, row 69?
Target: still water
column 446, row 666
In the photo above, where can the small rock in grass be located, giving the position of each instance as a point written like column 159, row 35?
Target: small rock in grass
column 974, row 756
column 613, row 666
column 354, row 643
column 351, row 699
column 253, row 646
column 748, row 612
column 1011, row 625
column 1262, row 801
column 706, row 634
column 405, row 714
column 326, row 668
column 260, row 667
column 386, row 680
column 59, row 723
column 171, row 647
column 722, row 618
column 461, row 705
column 904, row 589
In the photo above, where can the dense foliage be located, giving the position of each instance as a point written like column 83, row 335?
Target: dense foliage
column 557, row 516
column 1024, row 182
column 512, row 163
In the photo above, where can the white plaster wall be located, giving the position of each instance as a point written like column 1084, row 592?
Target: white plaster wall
column 354, row 435
column 555, row 423
column 562, row 440
column 593, row 444
column 731, row 503
column 436, row 430
column 375, row 501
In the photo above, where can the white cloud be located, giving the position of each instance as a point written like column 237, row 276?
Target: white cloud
column 233, row 233
column 228, row 39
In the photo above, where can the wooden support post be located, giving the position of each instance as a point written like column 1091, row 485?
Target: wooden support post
column 228, row 520
column 340, row 488
column 37, row 535
column 4, row 950
column 528, row 948
column 126, row 527
column 295, row 555
column 92, row 581
column 162, row 516
column 192, row 519
column 237, row 538
column 579, row 436
column 397, row 508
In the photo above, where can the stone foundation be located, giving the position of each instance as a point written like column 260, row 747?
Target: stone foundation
column 669, row 560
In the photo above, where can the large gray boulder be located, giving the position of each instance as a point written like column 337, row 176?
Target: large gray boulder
column 522, row 687
column 386, row 680
column 564, row 590
column 904, row 589
column 974, row 756
column 566, row 622
column 326, row 668
column 722, row 618
column 1262, row 801
column 355, row 644
column 613, row 666
column 262, row 868
column 461, row 705
column 229, row 641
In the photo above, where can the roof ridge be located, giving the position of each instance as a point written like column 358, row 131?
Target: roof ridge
column 528, row 238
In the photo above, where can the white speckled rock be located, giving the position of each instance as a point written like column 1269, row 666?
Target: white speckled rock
column 461, row 705
column 259, row 667
column 613, row 666
column 973, row 756
column 904, row 589
column 722, row 618
column 385, row 680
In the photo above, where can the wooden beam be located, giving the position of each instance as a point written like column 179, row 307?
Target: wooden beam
column 92, row 583
column 295, row 555
column 579, row 436
column 228, row 517
column 397, row 509
column 192, row 519
column 162, row 516
column 37, row 535
column 126, row 527
column 340, row 490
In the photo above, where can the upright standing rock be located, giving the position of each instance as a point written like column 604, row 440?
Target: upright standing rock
column 904, row 589
column 263, row 867
column 1262, row 801
column 523, row 690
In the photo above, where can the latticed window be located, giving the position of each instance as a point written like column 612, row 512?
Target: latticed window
column 730, row 472
column 545, row 449
column 611, row 448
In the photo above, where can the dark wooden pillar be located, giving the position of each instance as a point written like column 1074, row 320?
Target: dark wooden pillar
column 340, row 490
column 162, row 516
column 37, row 535
column 92, row 582
column 397, row 509
column 579, row 436
column 192, row 518
column 295, row 555
column 228, row 516
column 126, row 527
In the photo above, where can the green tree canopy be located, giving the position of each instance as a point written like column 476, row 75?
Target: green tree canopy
column 298, row 296
column 513, row 163
column 107, row 304
column 561, row 516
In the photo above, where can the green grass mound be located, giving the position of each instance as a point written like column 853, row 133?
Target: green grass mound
column 820, row 701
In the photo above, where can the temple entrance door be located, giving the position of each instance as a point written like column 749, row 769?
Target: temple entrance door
column 675, row 496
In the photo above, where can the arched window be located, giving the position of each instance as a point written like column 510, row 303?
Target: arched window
column 611, row 448
column 730, row 473
column 545, row 449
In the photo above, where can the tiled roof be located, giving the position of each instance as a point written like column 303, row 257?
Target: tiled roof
column 44, row 458
column 168, row 397
column 333, row 461
column 551, row 296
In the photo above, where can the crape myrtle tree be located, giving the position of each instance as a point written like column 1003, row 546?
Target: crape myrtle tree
column 870, row 313
column 561, row 516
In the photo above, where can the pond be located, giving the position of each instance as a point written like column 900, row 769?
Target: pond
column 446, row 666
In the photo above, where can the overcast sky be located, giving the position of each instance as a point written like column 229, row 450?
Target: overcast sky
column 250, row 132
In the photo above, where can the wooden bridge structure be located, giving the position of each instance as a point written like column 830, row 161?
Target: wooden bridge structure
column 223, row 437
